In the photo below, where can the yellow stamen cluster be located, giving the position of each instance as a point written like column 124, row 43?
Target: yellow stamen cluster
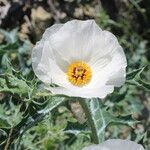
column 79, row 73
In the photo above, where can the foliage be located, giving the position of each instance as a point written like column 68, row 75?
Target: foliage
column 32, row 118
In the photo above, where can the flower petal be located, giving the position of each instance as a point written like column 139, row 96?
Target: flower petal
column 116, row 144
column 43, row 61
column 100, row 92
column 109, row 65
column 73, row 40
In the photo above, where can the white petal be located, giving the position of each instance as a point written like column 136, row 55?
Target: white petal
column 109, row 60
column 100, row 92
column 103, row 46
column 50, row 31
column 73, row 40
column 43, row 61
column 116, row 145
column 118, row 78
column 116, row 69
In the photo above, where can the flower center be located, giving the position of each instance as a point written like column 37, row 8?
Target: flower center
column 79, row 73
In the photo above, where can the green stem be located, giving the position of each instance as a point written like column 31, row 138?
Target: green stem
column 93, row 121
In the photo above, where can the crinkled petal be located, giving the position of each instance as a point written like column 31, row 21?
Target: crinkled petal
column 116, row 144
column 109, row 65
column 73, row 40
column 43, row 61
column 100, row 92
column 118, row 78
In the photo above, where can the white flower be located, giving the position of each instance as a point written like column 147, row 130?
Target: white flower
column 116, row 145
column 80, row 58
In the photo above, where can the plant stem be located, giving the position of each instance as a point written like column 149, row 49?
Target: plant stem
column 96, row 135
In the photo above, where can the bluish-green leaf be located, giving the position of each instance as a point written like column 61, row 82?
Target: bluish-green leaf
column 99, row 118
column 12, row 36
column 131, row 75
column 4, row 123
column 134, row 78
column 11, row 84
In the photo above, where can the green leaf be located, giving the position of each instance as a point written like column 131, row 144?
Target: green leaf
column 25, row 48
column 53, row 103
column 134, row 78
column 99, row 118
column 3, row 136
column 2, row 52
column 6, row 64
column 141, row 136
column 4, row 123
column 11, row 84
column 131, row 75
column 9, row 117
column 11, row 37
column 9, row 47
column 75, row 128
column 126, row 120
column 118, row 96
column 140, row 81
column 33, row 119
